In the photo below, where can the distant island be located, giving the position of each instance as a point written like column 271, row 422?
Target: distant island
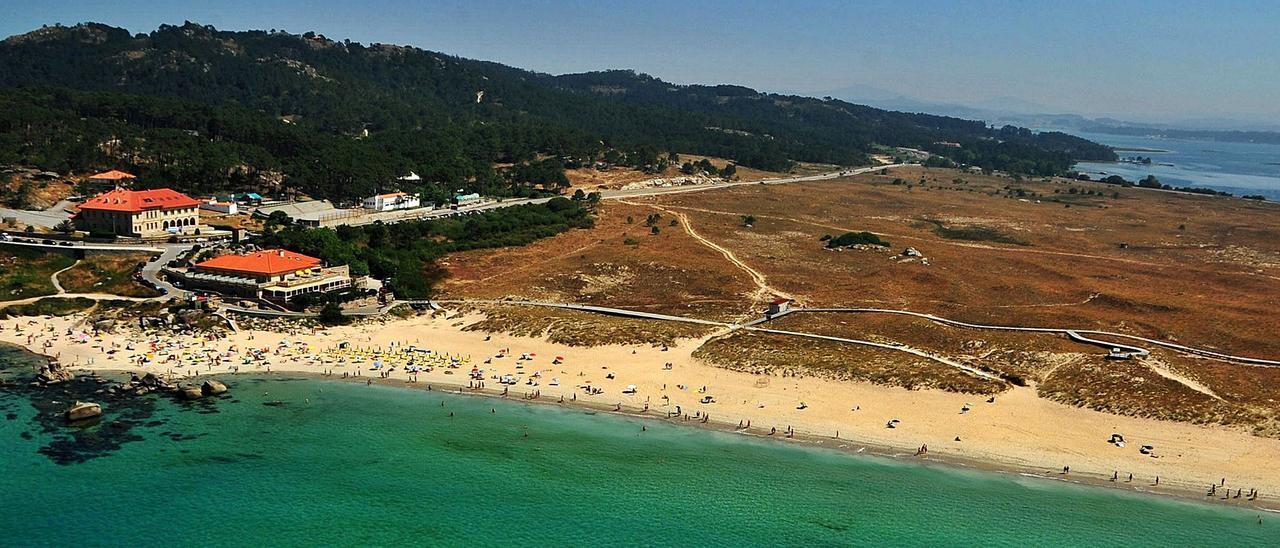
column 1259, row 137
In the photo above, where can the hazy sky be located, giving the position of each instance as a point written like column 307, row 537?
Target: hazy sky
column 1134, row 59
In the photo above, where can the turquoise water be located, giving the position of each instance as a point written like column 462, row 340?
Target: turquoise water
column 348, row 464
column 1239, row 168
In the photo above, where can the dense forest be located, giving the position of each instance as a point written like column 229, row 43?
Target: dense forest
column 203, row 110
column 404, row 253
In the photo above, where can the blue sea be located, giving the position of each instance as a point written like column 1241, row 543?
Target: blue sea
column 1239, row 168
column 334, row 463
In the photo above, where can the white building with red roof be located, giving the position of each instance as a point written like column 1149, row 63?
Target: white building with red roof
column 273, row 274
column 139, row 212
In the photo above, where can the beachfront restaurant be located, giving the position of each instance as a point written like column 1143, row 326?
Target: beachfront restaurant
column 275, row 274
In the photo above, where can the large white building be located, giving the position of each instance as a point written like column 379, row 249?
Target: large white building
column 392, row 201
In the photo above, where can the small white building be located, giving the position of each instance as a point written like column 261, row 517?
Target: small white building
column 392, row 201
column 225, row 208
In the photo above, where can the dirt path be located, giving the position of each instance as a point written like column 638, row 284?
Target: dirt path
column 532, row 264
column 763, row 292
column 942, row 241
column 1162, row 369
column 94, row 296
column 53, row 278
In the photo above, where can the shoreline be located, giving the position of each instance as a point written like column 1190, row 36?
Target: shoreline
column 848, row 446
column 1021, row 435
column 851, row 447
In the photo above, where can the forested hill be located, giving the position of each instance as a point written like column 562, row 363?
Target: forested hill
column 210, row 110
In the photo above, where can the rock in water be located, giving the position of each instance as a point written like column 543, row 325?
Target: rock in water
column 83, row 410
column 213, row 387
column 191, row 393
column 53, row 373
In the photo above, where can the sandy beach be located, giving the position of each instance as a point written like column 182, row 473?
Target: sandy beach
column 1018, row 432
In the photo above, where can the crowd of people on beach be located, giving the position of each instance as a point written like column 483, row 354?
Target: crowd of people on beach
column 179, row 354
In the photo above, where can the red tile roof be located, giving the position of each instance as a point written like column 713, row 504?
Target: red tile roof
column 113, row 175
column 135, row 201
column 270, row 262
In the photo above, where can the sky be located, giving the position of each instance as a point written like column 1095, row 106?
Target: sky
column 1139, row 59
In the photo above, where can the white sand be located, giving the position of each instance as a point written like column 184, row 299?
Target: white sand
column 1018, row 432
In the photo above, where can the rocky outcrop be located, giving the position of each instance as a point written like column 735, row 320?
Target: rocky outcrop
column 191, row 393
column 53, row 373
column 213, row 387
column 80, row 411
column 153, row 382
column 191, row 316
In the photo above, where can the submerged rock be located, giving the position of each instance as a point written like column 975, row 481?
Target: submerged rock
column 83, row 410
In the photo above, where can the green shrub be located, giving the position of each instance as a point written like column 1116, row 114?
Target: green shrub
column 855, row 238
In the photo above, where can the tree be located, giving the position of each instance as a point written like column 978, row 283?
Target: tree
column 579, row 195
column 65, row 227
column 748, row 221
column 21, row 196
column 331, row 314
column 277, row 219
column 654, row 230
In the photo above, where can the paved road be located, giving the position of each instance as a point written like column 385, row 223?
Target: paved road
column 642, row 192
column 48, row 218
column 79, row 245
column 657, row 191
column 151, row 270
